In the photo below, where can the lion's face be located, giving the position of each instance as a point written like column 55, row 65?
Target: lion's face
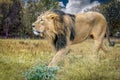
column 44, row 25
column 39, row 26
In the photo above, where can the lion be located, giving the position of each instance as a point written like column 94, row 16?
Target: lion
column 62, row 30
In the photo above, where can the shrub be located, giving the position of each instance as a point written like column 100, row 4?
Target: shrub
column 41, row 72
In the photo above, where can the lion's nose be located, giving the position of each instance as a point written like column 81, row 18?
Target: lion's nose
column 33, row 26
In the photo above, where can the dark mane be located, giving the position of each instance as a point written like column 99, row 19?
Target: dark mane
column 72, row 34
column 60, row 40
column 59, row 12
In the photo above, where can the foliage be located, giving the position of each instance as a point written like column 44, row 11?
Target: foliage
column 10, row 21
column 41, row 72
column 17, row 16
column 4, row 9
column 5, row 1
column 112, row 13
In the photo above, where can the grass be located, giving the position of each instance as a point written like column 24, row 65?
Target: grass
column 17, row 56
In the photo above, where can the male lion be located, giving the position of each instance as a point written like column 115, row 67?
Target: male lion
column 61, row 30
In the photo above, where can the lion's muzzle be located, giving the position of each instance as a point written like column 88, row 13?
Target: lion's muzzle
column 34, row 30
column 37, row 33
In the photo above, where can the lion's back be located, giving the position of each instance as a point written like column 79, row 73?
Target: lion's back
column 87, row 23
column 90, row 16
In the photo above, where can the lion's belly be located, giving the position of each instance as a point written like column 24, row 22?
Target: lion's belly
column 79, row 39
column 81, row 33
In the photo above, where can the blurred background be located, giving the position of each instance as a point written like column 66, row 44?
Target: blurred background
column 16, row 16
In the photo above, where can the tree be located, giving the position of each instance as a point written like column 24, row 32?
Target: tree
column 17, row 16
column 11, row 17
column 4, row 10
column 112, row 13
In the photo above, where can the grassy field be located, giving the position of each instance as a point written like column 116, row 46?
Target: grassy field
column 17, row 56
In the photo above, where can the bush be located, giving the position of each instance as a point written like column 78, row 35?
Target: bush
column 41, row 72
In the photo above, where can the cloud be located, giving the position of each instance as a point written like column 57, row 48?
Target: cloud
column 61, row 4
column 77, row 6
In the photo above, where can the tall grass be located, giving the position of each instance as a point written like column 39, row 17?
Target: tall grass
column 17, row 56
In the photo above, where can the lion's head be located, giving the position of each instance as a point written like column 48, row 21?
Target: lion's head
column 49, row 24
column 55, row 26
column 39, row 26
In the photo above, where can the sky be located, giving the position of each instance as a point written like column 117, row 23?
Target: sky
column 101, row 1
column 78, row 6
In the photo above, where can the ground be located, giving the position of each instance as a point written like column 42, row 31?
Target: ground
column 18, row 55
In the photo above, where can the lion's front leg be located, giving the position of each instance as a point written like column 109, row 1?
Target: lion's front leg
column 59, row 55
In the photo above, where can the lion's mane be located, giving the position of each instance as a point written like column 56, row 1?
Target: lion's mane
column 61, row 27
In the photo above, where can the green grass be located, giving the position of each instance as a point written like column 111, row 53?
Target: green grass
column 17, row 56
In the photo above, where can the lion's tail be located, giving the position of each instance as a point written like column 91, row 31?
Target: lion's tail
column 111, row 43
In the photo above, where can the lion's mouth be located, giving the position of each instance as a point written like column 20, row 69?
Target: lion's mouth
column 36, row 33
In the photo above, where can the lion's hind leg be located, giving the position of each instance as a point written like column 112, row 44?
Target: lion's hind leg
column 97, row 46
column 104, row 47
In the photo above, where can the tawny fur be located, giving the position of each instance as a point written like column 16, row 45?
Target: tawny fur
column 55, row 25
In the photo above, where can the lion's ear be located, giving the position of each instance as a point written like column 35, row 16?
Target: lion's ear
column 52, row 16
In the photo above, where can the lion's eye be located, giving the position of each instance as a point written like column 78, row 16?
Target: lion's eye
column 41, row 21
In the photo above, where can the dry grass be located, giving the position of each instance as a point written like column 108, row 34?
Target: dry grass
column 16, row 56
